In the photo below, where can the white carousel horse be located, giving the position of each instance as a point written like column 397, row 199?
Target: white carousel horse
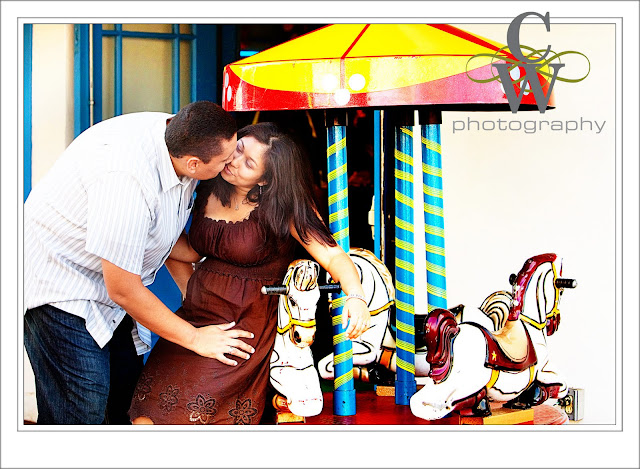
column 497, row 352
column 292, row 370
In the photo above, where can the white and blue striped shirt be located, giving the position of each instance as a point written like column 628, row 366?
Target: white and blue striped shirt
column 114, row 195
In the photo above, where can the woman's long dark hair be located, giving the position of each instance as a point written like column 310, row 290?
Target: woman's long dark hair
column 287, row 194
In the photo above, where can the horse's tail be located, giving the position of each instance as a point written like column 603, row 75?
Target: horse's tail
column 496, row 307
column 440, row 330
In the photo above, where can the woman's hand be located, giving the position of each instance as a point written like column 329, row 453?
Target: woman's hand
column 359, row 317
column 220, row 340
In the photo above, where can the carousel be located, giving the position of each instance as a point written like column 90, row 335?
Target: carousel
column 443, row 365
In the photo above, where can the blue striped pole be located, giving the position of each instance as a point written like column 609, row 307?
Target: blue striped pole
column 405, row 385
column 344, row 395
column 433, row 216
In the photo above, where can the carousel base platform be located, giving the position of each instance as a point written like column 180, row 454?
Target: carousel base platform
column 372, row 409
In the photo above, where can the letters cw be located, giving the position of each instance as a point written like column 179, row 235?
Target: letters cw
column 529, row 64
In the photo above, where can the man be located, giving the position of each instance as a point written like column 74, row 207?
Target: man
column 96, row 230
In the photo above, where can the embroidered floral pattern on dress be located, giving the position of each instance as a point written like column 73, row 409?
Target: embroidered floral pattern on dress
column 143, row 388
column 243, row 412
column 202, row 409
column 169, row 398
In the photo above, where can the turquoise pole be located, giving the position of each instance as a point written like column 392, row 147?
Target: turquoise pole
column 344, row 396
column 433, row 216
column 405, row 385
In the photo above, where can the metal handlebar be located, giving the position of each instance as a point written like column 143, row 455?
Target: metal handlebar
column 282, row 289
column 566, row 283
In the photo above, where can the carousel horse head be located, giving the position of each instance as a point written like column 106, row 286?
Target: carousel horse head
column 538, row 306
column 297, row 311
column 497, row 352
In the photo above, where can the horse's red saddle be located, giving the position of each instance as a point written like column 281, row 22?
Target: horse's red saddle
column 498, row 359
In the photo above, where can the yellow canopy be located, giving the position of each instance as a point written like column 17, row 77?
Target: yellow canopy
column 362, row 65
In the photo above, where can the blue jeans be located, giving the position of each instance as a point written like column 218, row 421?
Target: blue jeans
column 77, row 382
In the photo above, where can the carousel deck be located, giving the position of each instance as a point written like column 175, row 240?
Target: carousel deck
column 373, row 409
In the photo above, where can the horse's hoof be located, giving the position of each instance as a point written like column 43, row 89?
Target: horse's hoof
column 516, row 404
column 534, row 395
column 480, row 409
column 378, row 374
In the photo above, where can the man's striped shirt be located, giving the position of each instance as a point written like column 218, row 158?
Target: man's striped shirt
column 114, row 195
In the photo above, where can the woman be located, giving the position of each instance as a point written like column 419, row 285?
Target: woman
column 246, row 223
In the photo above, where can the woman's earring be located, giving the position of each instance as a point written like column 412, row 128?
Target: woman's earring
column 260, row 189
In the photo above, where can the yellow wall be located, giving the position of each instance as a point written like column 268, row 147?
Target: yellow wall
column 52, row 105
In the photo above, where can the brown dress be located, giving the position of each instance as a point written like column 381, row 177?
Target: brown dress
column 178, row 386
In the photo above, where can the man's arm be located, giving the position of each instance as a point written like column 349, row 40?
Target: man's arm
column 126, row 289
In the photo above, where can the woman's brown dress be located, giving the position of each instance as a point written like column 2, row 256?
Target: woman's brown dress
column 178, row 386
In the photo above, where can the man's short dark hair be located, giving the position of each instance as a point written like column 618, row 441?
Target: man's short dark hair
column 198, row 129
